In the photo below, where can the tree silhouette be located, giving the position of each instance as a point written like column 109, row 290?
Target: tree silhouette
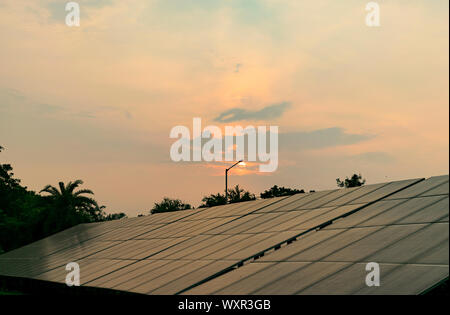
column 276, row 191
column 114, row 216
column 237, row 194
column 26, row 216
column 68, row 196
column 169, row 205
column 74, row 207
column 354, row 181
column 6, row 176
column 213, row 200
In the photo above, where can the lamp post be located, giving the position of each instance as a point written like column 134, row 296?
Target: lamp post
column 226, row 178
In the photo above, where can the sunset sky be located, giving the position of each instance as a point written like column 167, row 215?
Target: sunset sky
column 97, row 102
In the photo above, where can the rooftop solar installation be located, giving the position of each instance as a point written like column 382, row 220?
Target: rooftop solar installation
column 405, row 233
column 307, row 243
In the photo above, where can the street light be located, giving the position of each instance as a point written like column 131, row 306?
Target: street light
column 226, row 177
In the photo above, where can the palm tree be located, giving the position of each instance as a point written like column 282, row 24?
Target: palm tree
column 213, row 200
column 73, row 203
column 237, row 194
column 168, row 205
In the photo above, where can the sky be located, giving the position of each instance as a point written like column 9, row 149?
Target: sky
column 97, row 102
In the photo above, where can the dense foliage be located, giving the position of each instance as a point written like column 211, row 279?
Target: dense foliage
column 213, row 200
column 235, row 194
column 354, row 181
column 169, row 205
column 276, row 191
column 26, row 216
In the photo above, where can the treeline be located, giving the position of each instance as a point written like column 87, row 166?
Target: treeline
column 27, row 216
column 238, row 194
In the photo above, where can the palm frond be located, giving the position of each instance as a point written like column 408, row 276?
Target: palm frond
column 82, row 200
column 62, row 188
column 51, row 190
column 72, row 185
column 83, row 191
column 46, row 188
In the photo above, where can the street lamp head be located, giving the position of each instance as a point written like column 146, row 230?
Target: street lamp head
column 241, row 163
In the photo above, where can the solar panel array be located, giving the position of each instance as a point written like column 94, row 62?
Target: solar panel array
column 406, row 233
column 282, row 245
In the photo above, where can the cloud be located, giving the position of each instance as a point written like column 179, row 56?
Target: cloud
column 10, row 97
column 85, row 114
column 47, row 108
column 58, row 133
column 375, row 157
column 300, row 141
column 245, row 12
column 268, row 112
column 320, row 138
column 128, row 115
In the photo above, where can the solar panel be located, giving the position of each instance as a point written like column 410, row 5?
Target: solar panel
column 137, row 249
column 322, row 235
column 189, row 277
column 210, row 242
column 404, row 236
column 296, row 201
column 212, row 246
column 171, row 276
column 128, row 273
column 434, row 185
column 416, row 210
column 348, row 280
column 92, row 269
column 166, row 272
